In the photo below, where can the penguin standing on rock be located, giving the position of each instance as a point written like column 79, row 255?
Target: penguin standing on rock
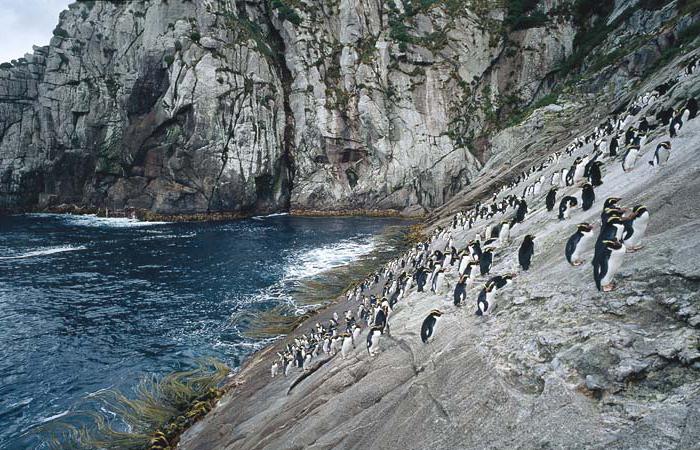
column 348, row 344
column 662, row 153
column 594, row 176
column 610, row 203
column 635, row 228
column 551, row 198
column 587, row 196
column 485, row 261
column 525, row 252
column 630, row 158
column 610, row 263
column 578, row 243
column 427, row 330
column 614, row 145
column 565, row 206
column 460, row 293
column 521, row 211
column 373, row 340
column 484, row 302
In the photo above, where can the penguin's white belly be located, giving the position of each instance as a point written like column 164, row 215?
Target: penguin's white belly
column 347, row 346
column 614, row 263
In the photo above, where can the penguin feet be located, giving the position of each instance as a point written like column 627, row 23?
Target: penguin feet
column 609, row 287
column 634, row 249
column 578, row 262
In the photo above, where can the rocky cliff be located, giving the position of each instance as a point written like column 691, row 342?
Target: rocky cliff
column 191, row 106
column 558, row 364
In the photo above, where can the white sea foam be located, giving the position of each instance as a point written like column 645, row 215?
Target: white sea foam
column 55, row 416
column 270, row 215
column 307, row 263
column 44, row 251
column 91, row 220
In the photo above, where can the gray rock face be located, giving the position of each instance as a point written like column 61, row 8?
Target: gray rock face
column 189, row 106
column 558, row 365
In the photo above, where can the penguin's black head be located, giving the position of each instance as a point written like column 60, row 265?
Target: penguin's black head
column 614, row 220
column 610, row 201
column 584, row 227
column 613, row 245
column 436, row 313
column 529, row 237
column 639, row 209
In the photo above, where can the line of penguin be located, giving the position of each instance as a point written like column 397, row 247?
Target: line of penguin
column 426, row 266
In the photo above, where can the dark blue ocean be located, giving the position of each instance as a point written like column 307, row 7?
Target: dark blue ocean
column 88, row 303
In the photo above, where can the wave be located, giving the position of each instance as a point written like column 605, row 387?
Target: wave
column 45, row 251
column 269, row 215
column 308, row 263
column 92, row 220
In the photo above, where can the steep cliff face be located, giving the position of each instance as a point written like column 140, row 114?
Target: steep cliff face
column 195, row 106
column 186, row 106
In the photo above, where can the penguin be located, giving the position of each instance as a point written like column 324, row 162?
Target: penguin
column 437, row 280
column 614, row 145
column 611, row 231
column 356, row 331
column 501, row 281
column 427, row 330
column 504, row 233
column 579, row 170
column 348, row 344
column 610, row 203
column 485, row 261
column 578, row 243
column 587, row 196
column 691, row 108
column 675, row 126
column 662, row 153
column 381, row 318
column 484, row 303
column 551, row 198
column 610, row 263
column 520, row 212
column 373, row 340
column 421, row 277
column 473, row 270
column 460, row 292
column 274, row 369
column 635, row 228
column 594, row 176
column 525, row 252
column 630, row 158
column 565, row 206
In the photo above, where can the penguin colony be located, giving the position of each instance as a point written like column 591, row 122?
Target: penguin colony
column 573, row 178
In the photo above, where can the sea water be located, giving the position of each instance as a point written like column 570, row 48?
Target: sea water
column 89, row 303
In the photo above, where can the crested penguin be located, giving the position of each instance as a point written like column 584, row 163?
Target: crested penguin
column 485, row 261
column 662, row 153
column 484, row 302
column 521, row 211
column 427, row 330
column 676, row 124
column 578, row 243
column 614, row 145
column 565, row 206
column 348, row 344
column 373, row 340
column 630, row 158
column 460, row 292
column 551, row 198
column 437, row 281
column 525, row 252
column 635, row 228
column 504, row 233
column 587, row 196
column 609, row 264
column 421, row 277
column 594, row 175
column 274, row 369
column 610, row 203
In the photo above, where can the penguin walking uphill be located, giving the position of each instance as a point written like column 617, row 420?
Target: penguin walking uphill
column 587, row 196
column 610, row 263
column 460, row 293
column 630, row 158
column 485, row 301
column 595, row 176
column 525, row 252
column 578, row 243
column 565, row 206
column 635, row 228
column 427, row 330
column 373, row 340
column 662, row 153
column 551, row 198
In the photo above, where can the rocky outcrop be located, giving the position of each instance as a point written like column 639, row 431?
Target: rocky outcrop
column 191, row 106
column 559, row 365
